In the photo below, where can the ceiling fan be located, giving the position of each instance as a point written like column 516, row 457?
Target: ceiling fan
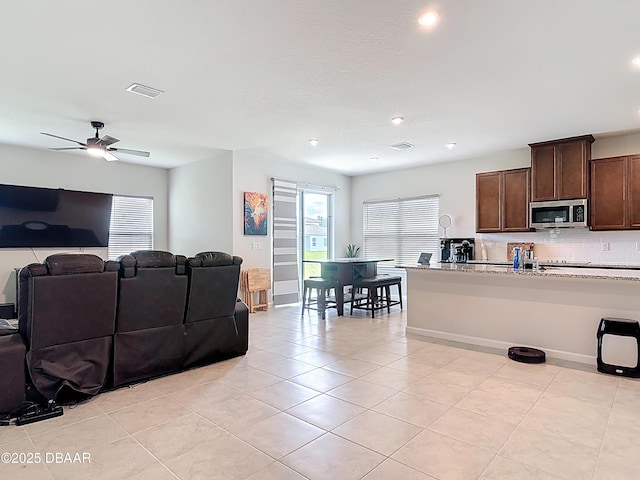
column 98, row 147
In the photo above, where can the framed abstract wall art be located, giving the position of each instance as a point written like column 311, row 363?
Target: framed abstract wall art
column 255, row 213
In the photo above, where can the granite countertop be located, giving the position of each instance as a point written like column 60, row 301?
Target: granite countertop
column 606, row 273
column 550, row 263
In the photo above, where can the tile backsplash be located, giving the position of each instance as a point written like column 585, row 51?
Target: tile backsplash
column 570, row 244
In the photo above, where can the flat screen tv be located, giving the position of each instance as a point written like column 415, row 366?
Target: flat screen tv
column 47, row 217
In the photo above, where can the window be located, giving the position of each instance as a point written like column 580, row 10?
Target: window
column 315, row 214
column 131, row 225
column 402, row 228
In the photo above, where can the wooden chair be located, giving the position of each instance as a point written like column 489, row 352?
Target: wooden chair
column 256, row 281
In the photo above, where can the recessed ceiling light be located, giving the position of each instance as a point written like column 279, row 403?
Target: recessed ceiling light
column 397, row 120
column 374, row 158
column 314, row 142
column 428, row 19
column 143, row 90
column 636, row 61
column 450, row 145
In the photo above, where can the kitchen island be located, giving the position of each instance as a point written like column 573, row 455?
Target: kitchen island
column 557, row 309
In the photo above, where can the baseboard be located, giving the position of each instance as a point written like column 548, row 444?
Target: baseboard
column 485, row 342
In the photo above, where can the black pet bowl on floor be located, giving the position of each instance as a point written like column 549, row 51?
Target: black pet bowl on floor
column 526, row 355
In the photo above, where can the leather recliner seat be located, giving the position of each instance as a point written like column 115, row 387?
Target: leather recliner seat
column 216, row 323
column 149, row 338
column 66, row 315
column 12, row 352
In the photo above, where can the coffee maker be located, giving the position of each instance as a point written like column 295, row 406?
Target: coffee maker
column 457, row 250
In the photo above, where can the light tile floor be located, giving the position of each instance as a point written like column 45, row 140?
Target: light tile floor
column 347, row 398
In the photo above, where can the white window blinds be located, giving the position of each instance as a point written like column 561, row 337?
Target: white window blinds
column 285, row 240
column 131, row 225
column 401, row 228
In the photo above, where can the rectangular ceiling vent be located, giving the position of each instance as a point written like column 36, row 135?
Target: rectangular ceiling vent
column 401, row 146
column 143, row 90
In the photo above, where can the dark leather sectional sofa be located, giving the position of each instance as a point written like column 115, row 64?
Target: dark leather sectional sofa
column 87, row 325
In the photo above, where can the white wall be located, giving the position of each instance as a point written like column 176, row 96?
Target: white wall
column 455, row 182
column 42, row 168
column 201, row 207
column 253, row 174
column 616, row 145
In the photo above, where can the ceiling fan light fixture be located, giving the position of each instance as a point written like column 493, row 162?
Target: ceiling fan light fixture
column 96, row 151
column 99, row 147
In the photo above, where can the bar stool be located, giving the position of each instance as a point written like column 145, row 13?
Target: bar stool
column 323, row 300
column 378, row 293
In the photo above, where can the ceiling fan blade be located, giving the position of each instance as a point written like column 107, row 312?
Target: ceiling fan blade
column 63, row 138
column 109, row 157
column 68, row 148
column 108, row 140
column 140, row 153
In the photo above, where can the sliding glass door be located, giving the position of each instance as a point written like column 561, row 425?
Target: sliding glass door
column 315, row 236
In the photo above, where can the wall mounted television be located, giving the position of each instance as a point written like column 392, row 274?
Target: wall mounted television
column 33, row 217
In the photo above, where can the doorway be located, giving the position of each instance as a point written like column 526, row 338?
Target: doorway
column 315, row 238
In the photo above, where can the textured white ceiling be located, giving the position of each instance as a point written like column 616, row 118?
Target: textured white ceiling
column 266, row 76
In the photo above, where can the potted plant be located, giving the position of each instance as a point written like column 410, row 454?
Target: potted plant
column 352, row 250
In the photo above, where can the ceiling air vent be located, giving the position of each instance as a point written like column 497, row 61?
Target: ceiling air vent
column 143, row 90
column 401, row 146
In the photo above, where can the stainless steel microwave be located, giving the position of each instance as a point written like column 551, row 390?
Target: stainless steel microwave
column 559, row 214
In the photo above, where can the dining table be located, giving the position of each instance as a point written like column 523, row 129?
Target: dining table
column 347, row 271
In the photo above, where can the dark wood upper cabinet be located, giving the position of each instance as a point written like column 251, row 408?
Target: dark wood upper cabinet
column 634, row 191
column 615, row 193
column 515, row 206
column 502, row 201
column 608, row 194
column 560, row 168
column 543, row 184
column 488, row 201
